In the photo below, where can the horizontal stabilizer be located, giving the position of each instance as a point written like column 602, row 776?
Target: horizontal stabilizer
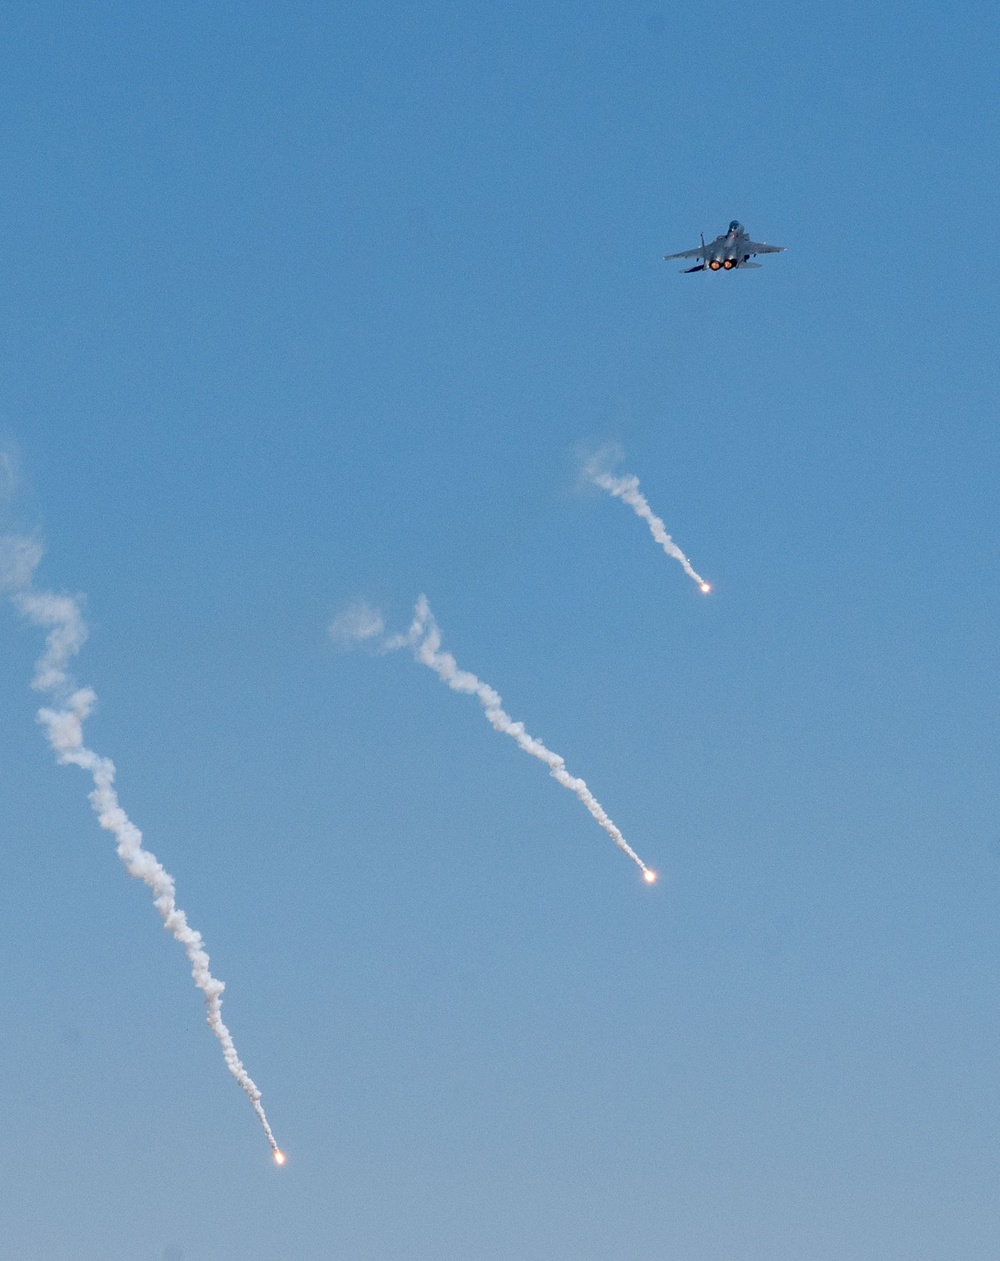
column 687, row 270
column 749, row 264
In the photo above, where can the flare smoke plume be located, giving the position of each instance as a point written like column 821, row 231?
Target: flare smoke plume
column 66, row 630
column 361, row 622
column 627, row 490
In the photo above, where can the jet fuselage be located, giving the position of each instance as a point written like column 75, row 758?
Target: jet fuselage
column 730, row 250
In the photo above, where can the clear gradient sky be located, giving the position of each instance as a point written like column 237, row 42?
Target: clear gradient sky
column 303, row 303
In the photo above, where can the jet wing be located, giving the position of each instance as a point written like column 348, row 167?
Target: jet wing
column 758, row 247
column 695, row 253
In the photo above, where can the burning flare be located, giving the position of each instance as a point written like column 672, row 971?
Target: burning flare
column 627, row 490
column 62, row 618
column 361, row 622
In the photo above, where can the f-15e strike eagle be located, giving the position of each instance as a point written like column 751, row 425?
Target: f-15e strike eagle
column 734, row 249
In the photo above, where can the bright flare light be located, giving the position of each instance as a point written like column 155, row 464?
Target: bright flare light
column 706, row 587
column 279, row 1158
column 649, row 876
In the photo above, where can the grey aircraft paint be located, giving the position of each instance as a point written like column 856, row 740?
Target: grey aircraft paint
column 727, row 252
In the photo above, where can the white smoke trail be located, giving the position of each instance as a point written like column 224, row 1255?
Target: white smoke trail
column 424, row 638
column 62, row 618
column 627, row 490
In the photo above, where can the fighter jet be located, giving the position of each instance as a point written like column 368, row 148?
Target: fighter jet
column 734, row 249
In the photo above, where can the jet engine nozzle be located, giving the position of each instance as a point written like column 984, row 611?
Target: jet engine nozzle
column 729, row 264
column 715, row 264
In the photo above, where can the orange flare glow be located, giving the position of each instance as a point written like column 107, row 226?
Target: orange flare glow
column 706, row 587
column 649, row 876
column 279, row 1158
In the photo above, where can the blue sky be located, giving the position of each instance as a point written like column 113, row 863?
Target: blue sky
column 303, row 304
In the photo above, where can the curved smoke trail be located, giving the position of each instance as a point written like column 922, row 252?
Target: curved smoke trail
column 627, row 490
column 61, row 617
column 361, row 622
